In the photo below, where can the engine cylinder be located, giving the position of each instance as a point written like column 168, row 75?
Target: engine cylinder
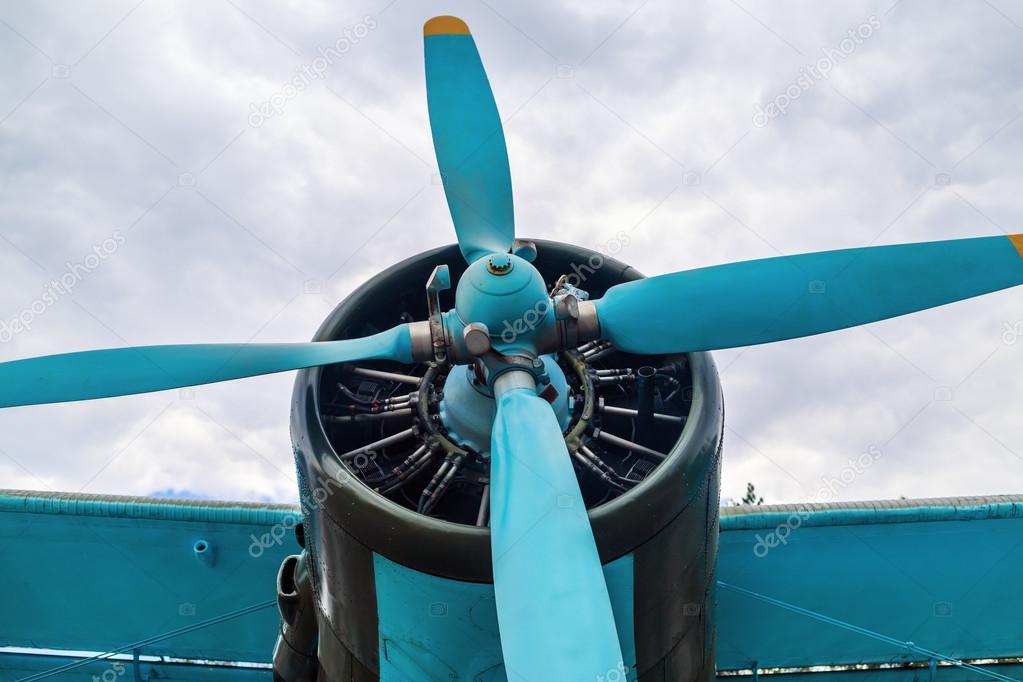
column 404, row 590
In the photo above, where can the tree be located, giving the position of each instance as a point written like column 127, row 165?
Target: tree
column 750, row 498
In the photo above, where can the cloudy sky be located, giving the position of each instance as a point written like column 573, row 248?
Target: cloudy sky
column 131, row 155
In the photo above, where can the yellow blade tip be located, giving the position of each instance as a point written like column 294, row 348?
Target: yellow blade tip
column 1017, row 241
column 445, row 26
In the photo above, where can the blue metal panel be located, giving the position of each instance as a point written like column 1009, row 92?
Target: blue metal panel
column 434, row 628
column 96, row 573
column 943, row 575
column 920, row 674
column 19, row 666
column 620, row 577
column 437, row 629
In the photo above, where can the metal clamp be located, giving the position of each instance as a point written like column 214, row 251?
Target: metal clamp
column 491, row 365
column 574, row 313
column 566, row 316
column 440, row 280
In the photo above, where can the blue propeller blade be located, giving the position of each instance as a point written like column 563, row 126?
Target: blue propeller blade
column 468, row 139
column 553, row 609
column 759, row 301
column 124, row 371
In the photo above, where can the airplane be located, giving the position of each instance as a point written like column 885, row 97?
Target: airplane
column 539, row 458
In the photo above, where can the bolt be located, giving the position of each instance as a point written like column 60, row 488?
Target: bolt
column 477, row 338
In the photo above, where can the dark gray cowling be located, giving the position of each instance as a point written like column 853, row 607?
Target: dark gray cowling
column 668, row 523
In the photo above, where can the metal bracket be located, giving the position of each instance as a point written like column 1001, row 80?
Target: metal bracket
column 440, row 280
column 561, row 286
column 566, row 315
column 136, row 666
column 574, row 313
column 491, row 364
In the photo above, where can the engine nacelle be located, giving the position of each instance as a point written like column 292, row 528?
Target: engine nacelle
column 396, row 544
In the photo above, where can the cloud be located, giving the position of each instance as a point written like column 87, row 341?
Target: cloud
column 638, row 118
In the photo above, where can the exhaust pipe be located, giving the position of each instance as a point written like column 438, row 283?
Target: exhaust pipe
column 295, row 653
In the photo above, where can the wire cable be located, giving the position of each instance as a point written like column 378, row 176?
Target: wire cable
column 150, row 640
column 867, row 633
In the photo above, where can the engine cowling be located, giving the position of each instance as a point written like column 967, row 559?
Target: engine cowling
column 396, row 544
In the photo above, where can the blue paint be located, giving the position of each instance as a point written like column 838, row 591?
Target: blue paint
column 90, row 573
column 124, row 371
column 620, row 578
column 514, row 306
column 432, row 627
column 872, row 513
column 554, row 610
column 772, row 299
column 469, row 415
column 469, row 142
column 941, row 575
column 15, row 667
column 914, row 649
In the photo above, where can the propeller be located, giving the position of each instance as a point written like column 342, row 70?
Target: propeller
column 759, row 301
column 557, row 615
column 552, row 601
column 554, row 612
column 468, row 139
column 142, row 369
column 553, row 608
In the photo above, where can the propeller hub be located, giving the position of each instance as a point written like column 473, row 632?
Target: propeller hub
column 508, row 295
